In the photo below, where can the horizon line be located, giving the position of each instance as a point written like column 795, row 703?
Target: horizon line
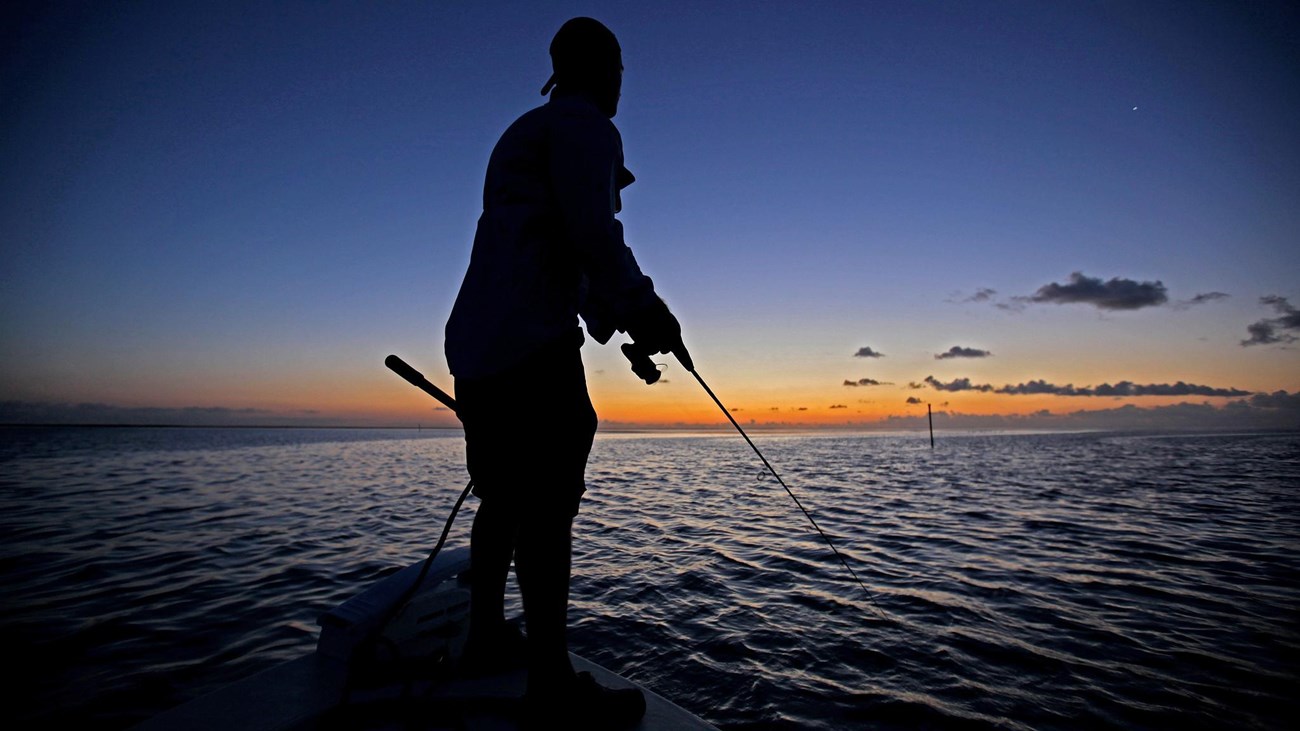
column 678, row 428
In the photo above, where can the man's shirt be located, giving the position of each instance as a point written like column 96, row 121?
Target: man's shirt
column 548, row 246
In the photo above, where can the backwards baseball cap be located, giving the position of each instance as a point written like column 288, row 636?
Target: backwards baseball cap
column 578, row 44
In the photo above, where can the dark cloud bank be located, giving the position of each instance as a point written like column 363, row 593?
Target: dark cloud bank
column 1278, row 410
column 1262, row 411
column 1121, row 388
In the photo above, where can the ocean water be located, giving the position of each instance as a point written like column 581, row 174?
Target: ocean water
column 1012, row 581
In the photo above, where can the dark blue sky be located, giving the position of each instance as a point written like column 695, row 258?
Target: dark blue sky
column 247, row 205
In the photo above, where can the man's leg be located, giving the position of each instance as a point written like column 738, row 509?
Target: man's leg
column 543, row 561
column 492, row 546
column 556, row 696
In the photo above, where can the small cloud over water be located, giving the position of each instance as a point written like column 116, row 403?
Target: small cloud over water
column 1274, row 330
column 957, row 384
column 1116, row 293
column 983, row 294
column 1202, row 299
column 958, row 351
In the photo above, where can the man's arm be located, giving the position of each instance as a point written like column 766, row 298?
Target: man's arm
column 586, row 154
column 586, row 160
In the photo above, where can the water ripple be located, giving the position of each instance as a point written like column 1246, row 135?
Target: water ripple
column 1015, row 581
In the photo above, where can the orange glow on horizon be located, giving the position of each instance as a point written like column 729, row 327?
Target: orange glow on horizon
column 385, row 400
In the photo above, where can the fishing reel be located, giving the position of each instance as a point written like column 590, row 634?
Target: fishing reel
column 639, row 356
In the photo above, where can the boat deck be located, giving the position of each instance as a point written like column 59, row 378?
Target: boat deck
column 305, row 695
column 322, row 691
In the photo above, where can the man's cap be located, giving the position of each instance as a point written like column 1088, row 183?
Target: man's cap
column 578, row 42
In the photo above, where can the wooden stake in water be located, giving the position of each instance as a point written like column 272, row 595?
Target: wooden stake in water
column 930, row 415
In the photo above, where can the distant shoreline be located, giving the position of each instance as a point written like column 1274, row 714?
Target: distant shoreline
column 679, row 430
column 90, row 425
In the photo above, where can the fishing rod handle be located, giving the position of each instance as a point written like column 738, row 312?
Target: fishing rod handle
column 417, row 379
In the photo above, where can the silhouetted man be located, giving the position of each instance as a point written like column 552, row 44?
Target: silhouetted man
column 547, row 250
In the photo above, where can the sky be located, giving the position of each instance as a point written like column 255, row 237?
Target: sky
column 1015, row 214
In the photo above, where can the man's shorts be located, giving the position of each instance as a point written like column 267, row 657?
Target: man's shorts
column 529, row 429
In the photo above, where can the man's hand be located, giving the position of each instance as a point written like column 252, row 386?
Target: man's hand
column 656, row 330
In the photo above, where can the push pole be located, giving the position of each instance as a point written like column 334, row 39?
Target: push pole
column 930, row 415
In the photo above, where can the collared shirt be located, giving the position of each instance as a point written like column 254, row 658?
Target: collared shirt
column 548, row 247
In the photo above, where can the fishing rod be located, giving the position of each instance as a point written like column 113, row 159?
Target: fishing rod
column 646, row 369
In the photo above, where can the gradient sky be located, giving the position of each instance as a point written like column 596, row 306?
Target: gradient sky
column 219, row 212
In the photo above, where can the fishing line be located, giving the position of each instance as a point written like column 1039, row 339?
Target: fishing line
column 648, row 372
column 788, row 491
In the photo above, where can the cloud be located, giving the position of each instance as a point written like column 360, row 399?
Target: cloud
column 1278, row 400
column 960, row 384
column 1264, row 332
column 957, row 351
column 1041, row 387
column 1291, row 316
column 1270, row 330
column 983, row 294
column 838, row 406
column 866, row 382
column 866, row 352
column 1279, row 410
column 1118, row 389
column 1123, row 388
column 1202, row 299
column 1127, row 388
column 914, row 385
column 1116, row 294
column 914, row 400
